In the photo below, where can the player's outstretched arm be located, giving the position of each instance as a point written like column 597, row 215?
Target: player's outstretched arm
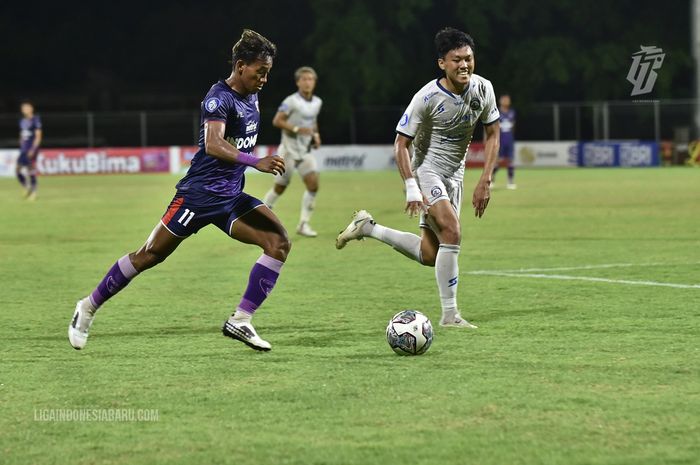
column 482, row 192
column 281, row 121
column 217, row 147
column 414, row 197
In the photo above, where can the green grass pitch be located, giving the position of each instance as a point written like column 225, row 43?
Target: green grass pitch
column 579, row 368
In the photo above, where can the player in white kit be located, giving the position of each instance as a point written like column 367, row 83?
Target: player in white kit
column 297, row 117
column 438, row 124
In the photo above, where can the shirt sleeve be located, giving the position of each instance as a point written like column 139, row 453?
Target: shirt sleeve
column 287, row 106
column 490, row 114
column 37, row 122
column 215, row 108
column 412, row 117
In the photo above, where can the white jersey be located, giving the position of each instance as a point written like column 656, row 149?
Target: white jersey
column 441, row 124
column 303, row 113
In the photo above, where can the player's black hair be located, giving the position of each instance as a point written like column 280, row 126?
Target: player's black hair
column 27, row 101
column 252, row 46
column 450, row 38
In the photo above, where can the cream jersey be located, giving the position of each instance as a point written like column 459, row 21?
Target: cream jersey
column 441, row 124
column 303, row 113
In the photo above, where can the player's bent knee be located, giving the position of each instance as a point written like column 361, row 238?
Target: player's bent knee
column 451, row 235
column 278, row 247
column 146, row 258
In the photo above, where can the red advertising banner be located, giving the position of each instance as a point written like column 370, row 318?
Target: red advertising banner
column 475, row 157
column 103, row 161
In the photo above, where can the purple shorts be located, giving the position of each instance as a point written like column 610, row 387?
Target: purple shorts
column 189, row 212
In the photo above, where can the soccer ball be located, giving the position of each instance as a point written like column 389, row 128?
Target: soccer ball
column 409, row 333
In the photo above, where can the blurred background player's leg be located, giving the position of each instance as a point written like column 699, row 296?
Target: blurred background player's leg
column 31, row 190
column 280, row 185
column 508, row 155
column 22, row 165
column 309, row 173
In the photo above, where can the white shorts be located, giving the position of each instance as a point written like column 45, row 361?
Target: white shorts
column 306, row 165
column 436, row 187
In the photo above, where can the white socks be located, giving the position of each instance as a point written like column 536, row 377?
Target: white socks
column 308, row 200
column 406, row 243
column 270, row 198
column 447, row 275
column 240, row 316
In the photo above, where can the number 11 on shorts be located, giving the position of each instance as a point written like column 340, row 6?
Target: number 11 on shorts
column 186, row 217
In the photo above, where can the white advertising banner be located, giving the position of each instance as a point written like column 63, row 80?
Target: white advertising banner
column 355, row 157
column 8, row 160
column 546, row 154
column 328, row 157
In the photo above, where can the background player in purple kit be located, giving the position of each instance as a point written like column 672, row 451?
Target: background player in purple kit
column 30, row 135
column 507, row 150
column 212, row 193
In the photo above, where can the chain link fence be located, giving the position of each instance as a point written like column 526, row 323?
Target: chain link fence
column 645, row 120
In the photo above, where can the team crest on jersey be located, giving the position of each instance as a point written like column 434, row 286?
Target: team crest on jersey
column 475, row 104
column 212, row 104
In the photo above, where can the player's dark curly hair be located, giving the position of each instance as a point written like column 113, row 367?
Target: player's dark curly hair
column 449, row 39
column 252, row 46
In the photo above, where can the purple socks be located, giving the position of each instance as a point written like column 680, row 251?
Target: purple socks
column 114, row 281
column 262, row 279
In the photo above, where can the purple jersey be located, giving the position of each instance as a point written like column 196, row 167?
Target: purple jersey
column 27, row 132
column 210, row 175
column 507, row 123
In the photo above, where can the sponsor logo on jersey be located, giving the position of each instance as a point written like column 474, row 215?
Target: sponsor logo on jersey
column 440, row 108
column 251, row 127
column 243, row 142
column 212, row 104
column 429, row 96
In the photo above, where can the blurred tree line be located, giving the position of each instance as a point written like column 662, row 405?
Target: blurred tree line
column 368, row 53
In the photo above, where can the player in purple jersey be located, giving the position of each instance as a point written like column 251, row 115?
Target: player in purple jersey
column 30, row 135
column 507, row 150
column 212, row 193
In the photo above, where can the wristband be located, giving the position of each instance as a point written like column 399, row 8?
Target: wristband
column 246, row 159
column 413, row 193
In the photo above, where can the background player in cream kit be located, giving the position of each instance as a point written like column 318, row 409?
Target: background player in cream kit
column 297, row 117
column 439, row 124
